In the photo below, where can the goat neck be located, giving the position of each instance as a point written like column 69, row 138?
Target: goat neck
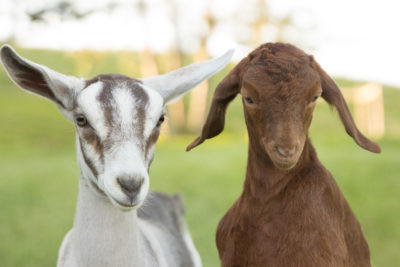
column 103, row 235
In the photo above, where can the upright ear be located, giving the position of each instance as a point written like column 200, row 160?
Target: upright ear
column 225, row 92
column 38, row 79
column 331, row 93
column 175, row 83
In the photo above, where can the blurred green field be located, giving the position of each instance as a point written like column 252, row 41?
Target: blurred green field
column 38, row 170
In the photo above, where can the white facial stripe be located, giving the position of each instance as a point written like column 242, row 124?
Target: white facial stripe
column 126, row 159
column 125, row 103
column 89, row 105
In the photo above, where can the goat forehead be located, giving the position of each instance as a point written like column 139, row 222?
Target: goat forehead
column 118, row 105
column 279, row 85
column 127, row 110
column 277, row 63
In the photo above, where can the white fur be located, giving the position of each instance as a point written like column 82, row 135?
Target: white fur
column 192, row 249
column 125, row 104
column 102, row 235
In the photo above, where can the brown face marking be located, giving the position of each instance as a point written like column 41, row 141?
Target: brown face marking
column 88, row 162
column 151, row 141
column 92, row 139
column 138, row 93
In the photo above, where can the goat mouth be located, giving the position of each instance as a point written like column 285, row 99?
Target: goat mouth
column 284, row 164
column 124, row 206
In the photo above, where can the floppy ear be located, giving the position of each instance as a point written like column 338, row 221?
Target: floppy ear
column 175, row 83
column 38, row 79
column 331, row 93
column 225, row 92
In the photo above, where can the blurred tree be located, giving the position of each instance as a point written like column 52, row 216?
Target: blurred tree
column 198, row 98
column 64, row 9
column 176, row 110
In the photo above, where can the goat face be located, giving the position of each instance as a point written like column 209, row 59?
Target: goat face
column 278, row 110
column 279, row 84
column 117, row 122
column 117, row 119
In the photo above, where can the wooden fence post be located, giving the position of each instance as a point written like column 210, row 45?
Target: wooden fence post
column 368, row 109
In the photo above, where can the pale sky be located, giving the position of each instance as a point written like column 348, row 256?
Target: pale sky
column 357, row 39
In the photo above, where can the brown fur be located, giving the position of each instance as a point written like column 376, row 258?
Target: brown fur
column 291, row 211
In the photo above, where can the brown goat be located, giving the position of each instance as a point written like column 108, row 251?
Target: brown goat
column 291, row 211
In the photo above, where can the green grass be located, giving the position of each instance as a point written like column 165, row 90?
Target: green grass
column 39, row 174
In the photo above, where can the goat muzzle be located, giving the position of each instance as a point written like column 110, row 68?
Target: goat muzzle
column 284, row 155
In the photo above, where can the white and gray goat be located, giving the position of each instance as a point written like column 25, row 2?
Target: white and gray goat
column 117, row 121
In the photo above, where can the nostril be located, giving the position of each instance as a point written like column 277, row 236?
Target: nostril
column 281, row 151
column 291, row 151
column 130, row 187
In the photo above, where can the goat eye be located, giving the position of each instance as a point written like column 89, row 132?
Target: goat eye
column 315, row 98
column 161, row 120
column 81, row 120
column 248, row 100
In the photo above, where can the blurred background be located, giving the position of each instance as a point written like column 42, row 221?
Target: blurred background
column 355, row 41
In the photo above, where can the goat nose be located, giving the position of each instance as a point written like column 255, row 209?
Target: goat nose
column 286, row 151
column 130, row 186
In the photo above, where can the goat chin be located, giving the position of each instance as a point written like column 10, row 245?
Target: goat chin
column 284, row 164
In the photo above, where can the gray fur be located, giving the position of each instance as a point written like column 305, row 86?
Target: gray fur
column 166, row 213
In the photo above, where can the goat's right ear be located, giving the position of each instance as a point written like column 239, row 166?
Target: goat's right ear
column 38, row 79
column 225, row 92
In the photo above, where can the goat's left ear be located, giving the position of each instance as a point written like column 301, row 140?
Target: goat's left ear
column 331, row 93
column 174, row 84
column 40, row 80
